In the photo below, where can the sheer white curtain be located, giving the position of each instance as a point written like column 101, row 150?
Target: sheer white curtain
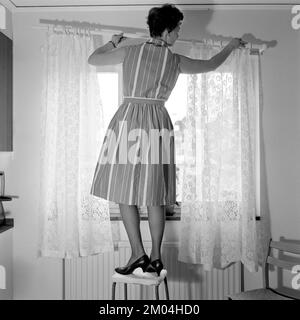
column 72, row 222
column 219, row 197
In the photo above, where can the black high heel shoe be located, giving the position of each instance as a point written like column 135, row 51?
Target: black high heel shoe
column 155, row 266
column 142, row 262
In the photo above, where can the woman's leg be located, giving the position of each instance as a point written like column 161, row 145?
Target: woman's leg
column 131, row 220
column 156, row 219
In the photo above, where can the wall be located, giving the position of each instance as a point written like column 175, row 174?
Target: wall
column 6, row 159
column 36, row 278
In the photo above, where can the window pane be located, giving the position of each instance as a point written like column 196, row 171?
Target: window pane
column 109, row 92
column 176, row 106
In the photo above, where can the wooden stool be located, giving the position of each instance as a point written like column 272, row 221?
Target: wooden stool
column 142, row 279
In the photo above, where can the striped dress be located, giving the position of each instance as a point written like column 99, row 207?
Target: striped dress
column 136, row 165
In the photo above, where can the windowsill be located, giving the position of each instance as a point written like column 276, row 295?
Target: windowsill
column 115, row 215
column 143, row 217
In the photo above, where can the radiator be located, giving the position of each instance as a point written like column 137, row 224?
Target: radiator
column 89, row 278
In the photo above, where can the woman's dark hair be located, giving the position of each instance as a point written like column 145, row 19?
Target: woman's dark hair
column 164, row 17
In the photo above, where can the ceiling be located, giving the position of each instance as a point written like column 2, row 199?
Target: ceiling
column 30, row 4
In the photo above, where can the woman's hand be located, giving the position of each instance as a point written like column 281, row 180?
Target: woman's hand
column 237, row 43
column 117, row 38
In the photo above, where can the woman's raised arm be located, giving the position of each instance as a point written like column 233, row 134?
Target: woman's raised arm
column 115, row 56
column 191, row 66
column 108, row 54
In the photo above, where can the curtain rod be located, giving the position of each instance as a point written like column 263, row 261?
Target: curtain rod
column 155, row 4
column 100, row 30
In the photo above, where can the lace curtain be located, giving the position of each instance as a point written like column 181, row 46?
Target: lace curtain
column 218, row 224
column 72, row 222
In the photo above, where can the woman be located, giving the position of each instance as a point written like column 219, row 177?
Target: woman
column 150, row 71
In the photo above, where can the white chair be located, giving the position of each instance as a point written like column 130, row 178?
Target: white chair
column 140, row 278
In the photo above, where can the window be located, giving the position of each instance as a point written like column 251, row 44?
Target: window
column 111, row 96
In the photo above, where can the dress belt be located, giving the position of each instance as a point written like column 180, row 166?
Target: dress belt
column 144, row 100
